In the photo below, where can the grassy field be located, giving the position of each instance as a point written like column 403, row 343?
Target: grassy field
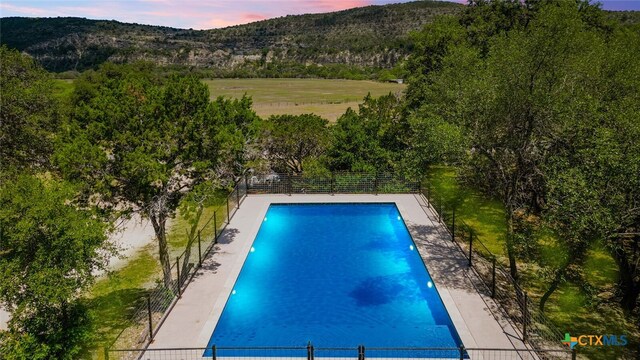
column 325, row 97
column 578, row 308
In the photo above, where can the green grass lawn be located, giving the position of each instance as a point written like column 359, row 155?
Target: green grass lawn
column 328, row 98
column 575, row 308
column 62, row 89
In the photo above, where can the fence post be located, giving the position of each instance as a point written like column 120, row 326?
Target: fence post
column 493, row 275
column 470, row 245
column 289, row 183
column 150, row 318
column 228, row 218
column 246, row 185
column 332, row 184
column 199, row 249
column 360, row 352
column 238, row 194
column 453, row 225
column 178, row 269
column 215, row 228
column 461, row 352
column 573, row 354
column 525, row 317
column 309, row 351
column 375, row 184
column 106, row 353
column 213, row 352
column 440, row 210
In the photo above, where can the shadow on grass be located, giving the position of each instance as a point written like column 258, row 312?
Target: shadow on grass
column 111, row 313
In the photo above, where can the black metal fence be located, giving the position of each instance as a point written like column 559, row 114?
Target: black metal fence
column 330, row 183
column 361, row 352
column 534, row 327
column 150, row 311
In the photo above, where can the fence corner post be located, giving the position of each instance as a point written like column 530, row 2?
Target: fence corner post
column 213, row 352
column 461, row 348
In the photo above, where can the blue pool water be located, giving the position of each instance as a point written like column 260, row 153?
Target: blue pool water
column 338, row 275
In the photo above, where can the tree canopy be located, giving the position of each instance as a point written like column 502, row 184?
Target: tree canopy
column 49, row 250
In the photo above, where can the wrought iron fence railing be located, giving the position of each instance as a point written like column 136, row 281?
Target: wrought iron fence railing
column 360, row 352
column 330, row 183
column 150, row 311
column 534, row 327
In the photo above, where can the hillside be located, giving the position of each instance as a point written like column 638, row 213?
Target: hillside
column 372, row 36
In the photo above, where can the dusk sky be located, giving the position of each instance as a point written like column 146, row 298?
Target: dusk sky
column 201, row 14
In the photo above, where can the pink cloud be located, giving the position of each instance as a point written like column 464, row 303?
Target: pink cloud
column 253, row 17
column 197, row 14
column 329, row 5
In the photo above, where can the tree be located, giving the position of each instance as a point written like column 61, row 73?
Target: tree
column 593, row 185
column 289, row 140
column 48, row 251
column 238, row 133
column 140, row 143
column 371, row 139
column 30, row 114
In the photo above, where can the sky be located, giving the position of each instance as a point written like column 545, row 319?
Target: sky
column 201, row 14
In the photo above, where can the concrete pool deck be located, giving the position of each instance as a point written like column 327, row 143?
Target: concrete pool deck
column 477, row 318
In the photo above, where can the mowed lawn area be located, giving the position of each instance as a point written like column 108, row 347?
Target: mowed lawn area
column 328, row 98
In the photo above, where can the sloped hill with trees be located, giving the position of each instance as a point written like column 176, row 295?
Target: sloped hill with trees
column 372, row 36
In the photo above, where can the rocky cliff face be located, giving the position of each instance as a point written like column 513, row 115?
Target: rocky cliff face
column 373, row 36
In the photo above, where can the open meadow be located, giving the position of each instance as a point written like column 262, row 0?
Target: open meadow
column 328, row 98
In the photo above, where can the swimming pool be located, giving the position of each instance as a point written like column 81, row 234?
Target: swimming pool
column 338, row 275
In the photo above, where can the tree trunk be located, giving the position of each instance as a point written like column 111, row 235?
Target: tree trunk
column 629, row 284
column 191, row 236
column 513, row 267
column 553, row 287
column 159, row 222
